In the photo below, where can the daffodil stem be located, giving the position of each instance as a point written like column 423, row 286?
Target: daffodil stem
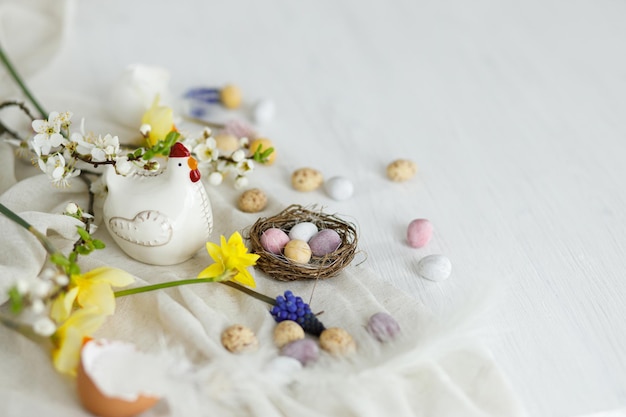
column 250, row 292
column 48, row 246
column 16, row 77
column 169, row 284
column 154, row 287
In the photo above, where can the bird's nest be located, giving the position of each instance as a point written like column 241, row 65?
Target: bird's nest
column 319, row 267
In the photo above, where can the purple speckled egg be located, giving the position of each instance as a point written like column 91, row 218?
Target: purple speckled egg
column 324, row 242
column 304, row 350
column 274, row 240
column 419, row 233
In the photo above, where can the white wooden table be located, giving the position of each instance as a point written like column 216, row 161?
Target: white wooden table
column 514, row 112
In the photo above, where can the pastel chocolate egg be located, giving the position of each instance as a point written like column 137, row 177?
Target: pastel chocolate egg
column 226, row 142
column 324, row 242
column 419, row 233
column 274, row 240
column 298, row 251
column 304, row 350
column 252, row 201
column 230, row 96
column 303, row 231
column 287, row 331
column 339, row 188
column 263, row 111
column 383, row 327
column 434, row 267
column 337, row 341
column 306, row 179
column 401, row 170
column 239, row 338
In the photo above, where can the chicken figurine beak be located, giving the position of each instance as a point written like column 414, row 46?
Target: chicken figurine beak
column 194, row 174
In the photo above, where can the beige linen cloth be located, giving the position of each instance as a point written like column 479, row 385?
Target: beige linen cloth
column 433, row 369
column 436, row 367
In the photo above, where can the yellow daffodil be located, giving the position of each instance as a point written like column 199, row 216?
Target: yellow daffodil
column 92, row 289
column 231, row 261
column 161, row 121
column 69, row 338
column 93, row 293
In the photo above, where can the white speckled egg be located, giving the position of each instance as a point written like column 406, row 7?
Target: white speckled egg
column 339, row 188
column 303, row 231
column 324, row 242
column 274, row 240
column 434, row 267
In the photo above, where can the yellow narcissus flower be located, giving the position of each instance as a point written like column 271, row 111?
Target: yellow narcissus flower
column 231, row 261
column 161, row 121
column 93, row 293
column 69, row 338
column 92, row 289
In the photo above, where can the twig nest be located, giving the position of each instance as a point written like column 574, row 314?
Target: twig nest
column 306, row 179
column 304, row 350
column 401, row 170
column 337, row 341
column 286, row 332
column 238, row 338
column 268, row 234
column 434, row 267
column 383, row 327
column 252, row 201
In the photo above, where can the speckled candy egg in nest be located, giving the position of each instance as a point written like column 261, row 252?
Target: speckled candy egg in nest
column 330, row 264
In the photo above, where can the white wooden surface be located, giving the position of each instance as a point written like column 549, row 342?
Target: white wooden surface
column 514, row 112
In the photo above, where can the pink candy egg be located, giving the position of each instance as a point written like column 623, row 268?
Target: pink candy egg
column 274, row 240
column 325, row 242
column 419, row 233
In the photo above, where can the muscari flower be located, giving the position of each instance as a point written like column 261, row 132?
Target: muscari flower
column 231, row 261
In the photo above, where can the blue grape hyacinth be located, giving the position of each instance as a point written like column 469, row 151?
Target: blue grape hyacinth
column 290, row 307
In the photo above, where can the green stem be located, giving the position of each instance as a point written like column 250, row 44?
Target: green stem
column 153, row 287
column 220, row 279
column 250, row 292
column 40, row 236
column 18, row 80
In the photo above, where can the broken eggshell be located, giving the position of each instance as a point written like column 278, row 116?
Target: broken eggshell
column 105, row 380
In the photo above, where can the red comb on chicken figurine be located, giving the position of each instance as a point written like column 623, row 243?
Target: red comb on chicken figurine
column 159, row 218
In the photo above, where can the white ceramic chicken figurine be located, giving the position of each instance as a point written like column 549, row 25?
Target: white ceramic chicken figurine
column 159, row 219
